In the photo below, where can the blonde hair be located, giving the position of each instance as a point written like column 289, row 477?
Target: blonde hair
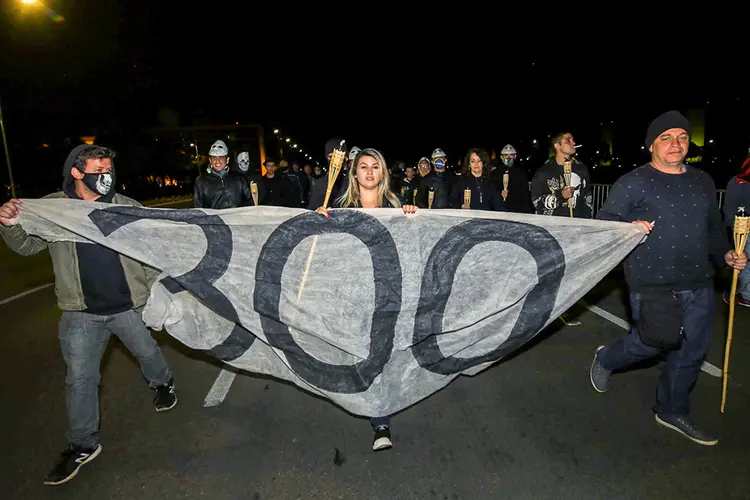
column 351, row 197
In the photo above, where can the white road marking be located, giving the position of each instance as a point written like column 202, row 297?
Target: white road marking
column 24, row 294
column 220, row 388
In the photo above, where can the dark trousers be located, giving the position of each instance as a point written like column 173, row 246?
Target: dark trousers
column 683, row 364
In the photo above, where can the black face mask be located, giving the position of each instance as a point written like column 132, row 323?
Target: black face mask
column 100, row 183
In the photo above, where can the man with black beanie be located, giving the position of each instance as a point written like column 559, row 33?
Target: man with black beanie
column 670, row 274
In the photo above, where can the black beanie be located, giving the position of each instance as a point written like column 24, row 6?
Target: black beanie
column 666, row 121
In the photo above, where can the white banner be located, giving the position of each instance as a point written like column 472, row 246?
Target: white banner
column 371, row 308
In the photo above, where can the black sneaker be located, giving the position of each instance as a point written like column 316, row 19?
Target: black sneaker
column 738, row 299
column 597, row 374
column 165, row 398
column 72, row 459
column 382, row 439
column 684, row 426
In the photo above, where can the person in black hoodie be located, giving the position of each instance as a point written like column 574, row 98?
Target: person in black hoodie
column 551, row 196
column 517, row 198
column 549, row 192
column 100, row 293
column 243, row 166
column 318, row 195
column 277, row 187
column 475, row 176
column 438, row 181
column 670, row 275
column 220, row 187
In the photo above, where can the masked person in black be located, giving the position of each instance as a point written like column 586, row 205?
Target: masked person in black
column 438, row 182
column 517, row 196
column 251, row 177
column 219, row 187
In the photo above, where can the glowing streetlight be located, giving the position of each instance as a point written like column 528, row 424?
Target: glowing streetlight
column 288, row 139
column 294, row 146
column 7, row 155
column 275, row 131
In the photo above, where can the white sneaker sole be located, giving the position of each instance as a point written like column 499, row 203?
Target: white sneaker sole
column 381, row 444
column 168, row 407
column 675, row 428
column 591, row 372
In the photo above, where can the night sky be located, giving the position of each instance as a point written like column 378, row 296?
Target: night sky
column 403, row 90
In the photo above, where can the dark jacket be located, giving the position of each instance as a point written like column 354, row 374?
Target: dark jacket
column 441, row 186
column 519, row 194
column 484, row 194
column 215, row 191
column 548, row 183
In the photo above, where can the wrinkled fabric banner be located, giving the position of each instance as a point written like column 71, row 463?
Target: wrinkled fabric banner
column 371, row 308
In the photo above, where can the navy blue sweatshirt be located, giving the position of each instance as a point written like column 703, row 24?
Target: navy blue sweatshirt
column 688, row 234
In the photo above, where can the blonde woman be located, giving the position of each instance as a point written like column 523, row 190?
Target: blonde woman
column 369, row 187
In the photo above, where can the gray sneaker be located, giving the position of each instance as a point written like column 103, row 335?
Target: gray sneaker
column 598, row 375
column 684, row 426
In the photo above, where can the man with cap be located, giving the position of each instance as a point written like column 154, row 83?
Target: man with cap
column 100, row 293
column 221, row 187
column 670, row 274
column 318, row 194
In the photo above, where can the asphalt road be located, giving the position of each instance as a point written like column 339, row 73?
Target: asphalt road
column 531, row 427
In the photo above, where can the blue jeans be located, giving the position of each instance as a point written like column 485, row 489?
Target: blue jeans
column 683, row 364
column 83, row 339
column 743, row 284
column 378, row 421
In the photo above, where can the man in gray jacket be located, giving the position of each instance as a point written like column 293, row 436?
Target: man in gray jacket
column 100, row 293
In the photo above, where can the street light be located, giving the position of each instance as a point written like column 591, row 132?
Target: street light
column 7, row 154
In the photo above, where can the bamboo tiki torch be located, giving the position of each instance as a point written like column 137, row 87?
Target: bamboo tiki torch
column 741, row 229
column 506, row 180
column 254, row 192
column 467, row 197
column 334, row 167
column 567, row 172
column 430, row 197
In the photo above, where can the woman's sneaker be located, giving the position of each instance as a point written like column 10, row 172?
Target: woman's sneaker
column 382, row 439
column 72, row 459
